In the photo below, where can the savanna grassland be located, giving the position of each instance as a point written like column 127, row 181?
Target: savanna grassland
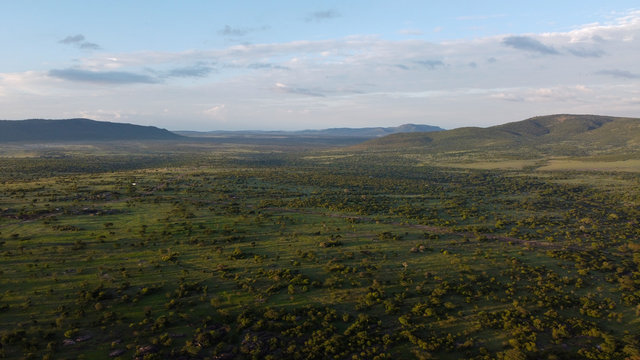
column 256, row 253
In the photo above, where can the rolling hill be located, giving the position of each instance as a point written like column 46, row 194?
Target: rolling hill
column 553, row 135
column 369, row 132
column 39, row 130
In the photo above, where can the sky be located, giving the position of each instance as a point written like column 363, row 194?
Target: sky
column 293, row 65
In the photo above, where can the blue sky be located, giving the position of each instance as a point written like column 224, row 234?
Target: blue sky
column 207, row 65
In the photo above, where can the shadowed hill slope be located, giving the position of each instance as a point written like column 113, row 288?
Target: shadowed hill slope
column 39, row 130
column 542, row 135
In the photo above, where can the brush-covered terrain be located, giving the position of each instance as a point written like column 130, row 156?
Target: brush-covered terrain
column 249, row 252
column 536, row 140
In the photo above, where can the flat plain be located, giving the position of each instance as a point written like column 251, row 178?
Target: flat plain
column 234, row 251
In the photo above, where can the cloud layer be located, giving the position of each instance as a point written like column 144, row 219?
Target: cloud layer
column 360, row 80
column 622, row 74
column 529, row 44
column 101, row 77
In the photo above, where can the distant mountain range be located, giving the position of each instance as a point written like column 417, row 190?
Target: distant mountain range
column 39, row 130
column 368, row 132
column 553, row 135
column 571, row 135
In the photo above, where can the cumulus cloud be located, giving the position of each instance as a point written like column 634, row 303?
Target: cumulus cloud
column 102, row 77
column 79, row 42
column 322, row 15
column 530, row 44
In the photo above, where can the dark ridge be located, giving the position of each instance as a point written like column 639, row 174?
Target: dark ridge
column 562, row 134
column 40, row 130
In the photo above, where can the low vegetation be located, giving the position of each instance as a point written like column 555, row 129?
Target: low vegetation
column 609, row 138
column 243, row 254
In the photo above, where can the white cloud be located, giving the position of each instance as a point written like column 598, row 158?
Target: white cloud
column 575, row 93
column 358, row 80
column 507, row 97
column 215, row 111
column 100, row 114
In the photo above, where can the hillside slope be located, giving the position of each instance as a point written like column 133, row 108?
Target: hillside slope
column 561, row 135
column 39, row 130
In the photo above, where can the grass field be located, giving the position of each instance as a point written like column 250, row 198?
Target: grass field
column 278, row 254
column 567, row 164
